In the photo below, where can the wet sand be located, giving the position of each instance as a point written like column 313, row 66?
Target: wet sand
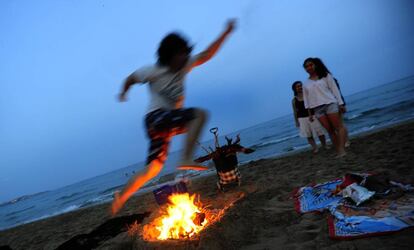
column 263, row 214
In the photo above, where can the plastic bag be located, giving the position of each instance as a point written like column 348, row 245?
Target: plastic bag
column 357, row 193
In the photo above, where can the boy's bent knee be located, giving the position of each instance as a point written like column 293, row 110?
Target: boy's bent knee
column 201, row 114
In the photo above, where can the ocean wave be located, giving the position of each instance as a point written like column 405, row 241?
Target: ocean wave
column 351, row 117
column 294, row 148
column 66, row 197
column 272, row 142
column 288, row 149
column 401, row 106
column 364, row 113
column 363, row 129
column 371, row 111
column 21, row 198
column 97, row 200
column 396, row 107
column 19, row 211
column 62, row 211
column 112, row 189
column 267, row 137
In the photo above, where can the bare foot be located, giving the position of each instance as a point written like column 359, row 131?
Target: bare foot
column 191, row 165
column 116, row 204
column 340, row 155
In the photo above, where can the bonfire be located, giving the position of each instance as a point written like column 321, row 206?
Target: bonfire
column 183, row 218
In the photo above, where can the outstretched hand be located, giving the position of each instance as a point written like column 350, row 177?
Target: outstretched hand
column 249, row 150
column 231, row 25
column 122, row 97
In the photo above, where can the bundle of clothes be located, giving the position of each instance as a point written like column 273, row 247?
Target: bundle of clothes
column 225, row 159
column 360, row 205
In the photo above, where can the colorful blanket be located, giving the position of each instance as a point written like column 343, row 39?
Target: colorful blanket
column 316, row 197
column 381, row 217
column 347, row 221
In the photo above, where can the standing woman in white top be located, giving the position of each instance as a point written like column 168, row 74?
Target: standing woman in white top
column 321, row 94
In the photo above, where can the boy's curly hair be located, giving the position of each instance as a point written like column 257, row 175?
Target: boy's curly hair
column 171, row 45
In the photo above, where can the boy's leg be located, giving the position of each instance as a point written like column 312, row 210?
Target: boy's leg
column 135, row 183
column 161, row 126
column 155, row 162
column 194, row 128
column 178, row 121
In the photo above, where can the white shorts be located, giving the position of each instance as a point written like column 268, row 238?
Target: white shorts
column 326, row 109
column 310, row 129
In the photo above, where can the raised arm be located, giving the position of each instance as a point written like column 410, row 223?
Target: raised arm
column 247, row 150
column 235, row 148
column 204, row 158
column 215, row 46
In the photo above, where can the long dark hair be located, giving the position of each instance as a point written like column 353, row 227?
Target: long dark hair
column 171, row 45
column 294, row 87
column 320, row 68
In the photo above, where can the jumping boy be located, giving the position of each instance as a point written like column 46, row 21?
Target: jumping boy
column 166, row 116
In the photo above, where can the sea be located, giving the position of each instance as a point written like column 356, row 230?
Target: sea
column 368, row 110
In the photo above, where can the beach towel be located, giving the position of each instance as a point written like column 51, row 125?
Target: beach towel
column 316, row 197
column 383, row 215
column 380, row 217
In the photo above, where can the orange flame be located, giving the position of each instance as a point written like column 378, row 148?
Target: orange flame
column 182, row 219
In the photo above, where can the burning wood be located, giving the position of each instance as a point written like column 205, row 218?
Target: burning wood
column 182, row 219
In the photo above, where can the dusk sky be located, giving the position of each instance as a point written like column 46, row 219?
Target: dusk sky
column 63, row 62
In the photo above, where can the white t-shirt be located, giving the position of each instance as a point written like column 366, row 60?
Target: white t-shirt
column 320, row 92
column 166, row 87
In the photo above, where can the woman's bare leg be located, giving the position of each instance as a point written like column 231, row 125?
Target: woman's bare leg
column 327, row 125
column 336, row 122
column 347, row 142
column 311, row 141
column 322, row 140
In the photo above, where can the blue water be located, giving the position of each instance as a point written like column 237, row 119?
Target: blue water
column 367, row 110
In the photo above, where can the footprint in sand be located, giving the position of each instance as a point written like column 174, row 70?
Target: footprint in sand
column 312, row 227
column 299, row 233
column 308, row 235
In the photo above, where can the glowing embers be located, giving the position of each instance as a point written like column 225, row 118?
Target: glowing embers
column 182, row 218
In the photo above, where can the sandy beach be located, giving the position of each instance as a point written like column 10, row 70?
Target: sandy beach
column 262, row 215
